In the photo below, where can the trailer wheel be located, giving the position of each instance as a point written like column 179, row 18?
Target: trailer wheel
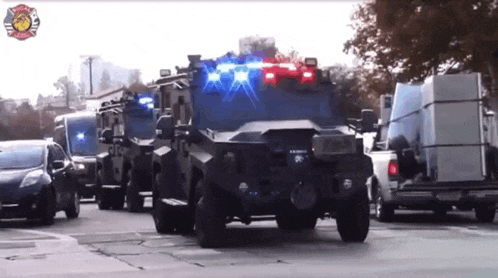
column 353, row 217
column 485, row 214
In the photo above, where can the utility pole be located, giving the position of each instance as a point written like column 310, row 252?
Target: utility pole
column 89, row 59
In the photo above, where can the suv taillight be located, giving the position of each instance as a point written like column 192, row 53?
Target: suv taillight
column 392, row 168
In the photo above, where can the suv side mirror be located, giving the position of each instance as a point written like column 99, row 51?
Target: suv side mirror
column 368, row 120
column 107, row 136
column 165, row 128
column 57, row 164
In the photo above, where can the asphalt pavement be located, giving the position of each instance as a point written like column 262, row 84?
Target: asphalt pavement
column 123, row 244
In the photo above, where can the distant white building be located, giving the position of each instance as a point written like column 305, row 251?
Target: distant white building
column 246, row 44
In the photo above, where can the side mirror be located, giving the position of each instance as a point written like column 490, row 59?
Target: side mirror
column 368, row 120
column 58, row 164
column 165, row 128
column 107, row 136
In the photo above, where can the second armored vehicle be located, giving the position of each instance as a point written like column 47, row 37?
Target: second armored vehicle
column 250, row 151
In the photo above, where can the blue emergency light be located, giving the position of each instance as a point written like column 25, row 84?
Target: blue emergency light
column 146, row 101
column 80, row 136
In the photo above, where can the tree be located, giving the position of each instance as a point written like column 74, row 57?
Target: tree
column 105, row 81
column 418, row 38
column 134, row 77
column 66, row 86
column 260, row 44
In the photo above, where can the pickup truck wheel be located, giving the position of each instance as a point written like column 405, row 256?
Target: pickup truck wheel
column 353, row 218
column 163, row 217
column 102, row 196
column 74, row 208
column 155, row 191
column 210, row 223
column 134, row 202
column 485, row 214
column 383, row 212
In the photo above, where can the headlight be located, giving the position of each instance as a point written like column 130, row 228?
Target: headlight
column 31, row 178
column 79, row 166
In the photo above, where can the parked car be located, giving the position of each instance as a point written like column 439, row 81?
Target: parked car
column 36, row 181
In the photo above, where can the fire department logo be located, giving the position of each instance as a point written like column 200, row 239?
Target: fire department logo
column 21, row 22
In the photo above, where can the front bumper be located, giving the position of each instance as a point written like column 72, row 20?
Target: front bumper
column 260, row 196
column 21, row 207
column 448, row 193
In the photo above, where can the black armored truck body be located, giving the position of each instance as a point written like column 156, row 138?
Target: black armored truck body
column 126, row 136
column 257, row 151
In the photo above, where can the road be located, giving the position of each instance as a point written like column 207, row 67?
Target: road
column 122, row 244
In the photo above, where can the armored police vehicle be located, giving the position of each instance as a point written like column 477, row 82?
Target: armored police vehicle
column 126, row 131
column 76, row 133
column 251, row 151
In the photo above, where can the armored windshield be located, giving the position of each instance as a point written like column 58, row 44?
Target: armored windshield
column 82, row 136
column 221, row 103
column 139, row 117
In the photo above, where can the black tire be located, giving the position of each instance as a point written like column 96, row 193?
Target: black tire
column 162, row 216
column 210, row 223
column 156, row 180
column 383, row 212
column 48, row 207
column 118, row 201
column 297, row 221
column 485, row 214
column 134, row 202
column 74, row 208
column 102, row 196
column 353, row 218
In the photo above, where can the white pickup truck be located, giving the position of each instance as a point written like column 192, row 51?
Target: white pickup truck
column 436, row 149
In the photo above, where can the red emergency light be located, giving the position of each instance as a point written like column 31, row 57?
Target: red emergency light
column 280, row 67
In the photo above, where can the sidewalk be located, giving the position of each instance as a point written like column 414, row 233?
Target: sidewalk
column 30, row 252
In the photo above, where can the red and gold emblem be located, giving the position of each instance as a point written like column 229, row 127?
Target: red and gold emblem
column 21, row 22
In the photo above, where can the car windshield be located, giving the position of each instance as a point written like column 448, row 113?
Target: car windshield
column 218, row 110
column 21, row 156
column 82, row 136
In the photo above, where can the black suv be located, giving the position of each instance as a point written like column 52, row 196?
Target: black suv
column 248, row 153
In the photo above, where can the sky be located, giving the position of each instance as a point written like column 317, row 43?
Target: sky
column 154, row 35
